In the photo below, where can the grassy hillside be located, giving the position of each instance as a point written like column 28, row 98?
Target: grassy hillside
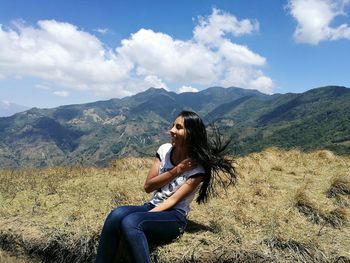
column 287, row 206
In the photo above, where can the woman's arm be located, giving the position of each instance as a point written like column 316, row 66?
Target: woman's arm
column 187, row 188
column 155, row 181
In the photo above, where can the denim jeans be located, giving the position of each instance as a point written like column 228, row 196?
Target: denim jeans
column 136, row 226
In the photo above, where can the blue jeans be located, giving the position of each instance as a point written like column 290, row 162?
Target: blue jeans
column 137, row 226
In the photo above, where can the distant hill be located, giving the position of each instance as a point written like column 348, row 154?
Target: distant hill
column 7, row 108
column 95, row 133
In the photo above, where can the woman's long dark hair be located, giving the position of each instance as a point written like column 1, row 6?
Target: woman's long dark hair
column 208, row 153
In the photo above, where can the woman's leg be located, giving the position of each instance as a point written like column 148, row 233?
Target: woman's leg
column 110, row 234
column 140, row 227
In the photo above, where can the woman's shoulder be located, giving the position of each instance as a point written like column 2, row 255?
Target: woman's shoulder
column 164, row 148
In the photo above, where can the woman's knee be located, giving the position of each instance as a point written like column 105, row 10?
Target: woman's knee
column 115, row 217
column 131, row 221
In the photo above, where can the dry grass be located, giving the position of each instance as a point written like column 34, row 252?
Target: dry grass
column 6, row 258
column 287, row 206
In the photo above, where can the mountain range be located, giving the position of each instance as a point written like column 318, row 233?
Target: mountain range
column 8, row 108
column 95, row 133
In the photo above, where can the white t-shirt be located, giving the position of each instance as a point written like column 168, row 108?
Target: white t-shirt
column 163, row 193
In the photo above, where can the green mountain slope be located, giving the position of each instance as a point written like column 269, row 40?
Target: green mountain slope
column 319, row 118
column 95, row 133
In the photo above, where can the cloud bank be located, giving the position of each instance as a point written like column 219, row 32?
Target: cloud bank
column 315, row 19
column 72, row 59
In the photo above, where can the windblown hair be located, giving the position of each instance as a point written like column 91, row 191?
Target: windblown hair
column 219, row 169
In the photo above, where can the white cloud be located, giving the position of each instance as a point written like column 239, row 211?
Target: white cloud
column 155, row 82
column 61, row 93
column 239, row 55
column 173, row 60
column 314, row 19
column 43, row 86
column 65, row 57
column 249, row 78
column 207, row 59
column 62, row 54
column 102, row 31
column 211, row 30
column 263, row 84
column 187, row 89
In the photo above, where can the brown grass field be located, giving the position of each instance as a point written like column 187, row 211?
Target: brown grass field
column 287, row 206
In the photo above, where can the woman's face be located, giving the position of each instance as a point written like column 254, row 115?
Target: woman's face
column 178, row 132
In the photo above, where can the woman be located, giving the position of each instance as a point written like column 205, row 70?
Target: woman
column 190, row 163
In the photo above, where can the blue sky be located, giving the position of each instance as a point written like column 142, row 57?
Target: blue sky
column 65, row 52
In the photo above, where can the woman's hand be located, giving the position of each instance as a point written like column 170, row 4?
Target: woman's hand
column 185, row 165
column 155, row 181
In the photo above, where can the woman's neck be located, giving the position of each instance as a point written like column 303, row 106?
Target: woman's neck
column 178, row 155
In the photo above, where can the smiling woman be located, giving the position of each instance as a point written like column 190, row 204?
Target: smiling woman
column 187, row 165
